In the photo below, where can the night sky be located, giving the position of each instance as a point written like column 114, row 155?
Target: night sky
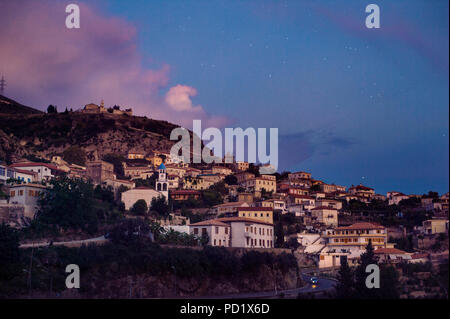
column 353, row 105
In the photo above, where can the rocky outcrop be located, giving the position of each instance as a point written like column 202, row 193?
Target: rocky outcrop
column 169, row 286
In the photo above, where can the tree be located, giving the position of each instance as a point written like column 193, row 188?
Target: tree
column 204, row 240
column 346, row 284
column 292, row 244
column 389, row 283
column 9, row 252
column 130, row 231
column 366, row 258
column 212, row 197
column 70, row 204
column 220, row 188
column 75, row 155
column 160, row 206
column 279, row 234
column 139, row 208
column 52, row 109
column 230, row 180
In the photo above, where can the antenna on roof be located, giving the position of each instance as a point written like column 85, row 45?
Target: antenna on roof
column 2, row 85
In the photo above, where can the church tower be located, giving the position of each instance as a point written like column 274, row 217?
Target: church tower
column 162, row 185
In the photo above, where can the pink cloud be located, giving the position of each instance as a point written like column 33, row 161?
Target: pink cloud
column 46, row 63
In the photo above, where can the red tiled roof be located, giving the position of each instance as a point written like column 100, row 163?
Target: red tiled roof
column 419, row 256
column 243, row 219
column 185, row 192
column 301, row 196
column 23, row 171
column 393, row 251
column 31, row 164
column 324, row 207
column 363, row 225
column 254, row 209
column 210, row 222
column 362, row 187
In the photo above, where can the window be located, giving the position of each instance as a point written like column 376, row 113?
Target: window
column 204, row 231
column 13, row 193
column 195, row 231
column 2, row 171
column 214, row 242
column 21, row 192
column 217, row 230
column 226, row 230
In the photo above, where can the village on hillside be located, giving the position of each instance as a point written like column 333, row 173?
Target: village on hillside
column 234, row 206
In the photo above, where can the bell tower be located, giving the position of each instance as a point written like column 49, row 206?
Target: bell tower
column 162, row 185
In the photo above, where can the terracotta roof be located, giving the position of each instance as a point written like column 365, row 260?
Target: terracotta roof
column 360, row 226
column 393, row 251
column 32, row 164
column 324, row 207
column 419, row 256
column 362, row 187
column 230, row 204
column 254, row 209
column 185, row 192
column 28, row 185
column 210, row 222
column 243, row 219
column 301, row 196
column 23, row 171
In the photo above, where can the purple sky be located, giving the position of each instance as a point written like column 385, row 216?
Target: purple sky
column 352, row 105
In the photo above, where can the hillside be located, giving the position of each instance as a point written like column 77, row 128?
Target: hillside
column 8, row 106
column 31, row 132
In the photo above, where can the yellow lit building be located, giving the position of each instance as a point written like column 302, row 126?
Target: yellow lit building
column 358, row 236
column 263, row 214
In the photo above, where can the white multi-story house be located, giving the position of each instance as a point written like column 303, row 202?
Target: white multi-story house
column 218, row 232
column 350, row 242
column 235, row 232
column 395, row 198
column 26, row 195
column 247, row 232
column 44, row 171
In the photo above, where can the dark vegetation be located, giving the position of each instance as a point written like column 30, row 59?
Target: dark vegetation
column 120, row 259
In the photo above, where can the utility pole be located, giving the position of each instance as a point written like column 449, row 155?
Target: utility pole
column 2, row 85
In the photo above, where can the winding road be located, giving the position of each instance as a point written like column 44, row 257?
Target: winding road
column 323, row 285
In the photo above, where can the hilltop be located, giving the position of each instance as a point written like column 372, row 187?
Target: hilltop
column 25, row 131
column 8, row 106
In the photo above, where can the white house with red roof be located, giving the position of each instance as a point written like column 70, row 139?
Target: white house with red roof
column 44, row 171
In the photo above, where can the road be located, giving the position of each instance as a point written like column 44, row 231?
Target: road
column 72, row 243
column 324, row 284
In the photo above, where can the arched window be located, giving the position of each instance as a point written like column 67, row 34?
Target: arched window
column 158, row 186
column 164, row 187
